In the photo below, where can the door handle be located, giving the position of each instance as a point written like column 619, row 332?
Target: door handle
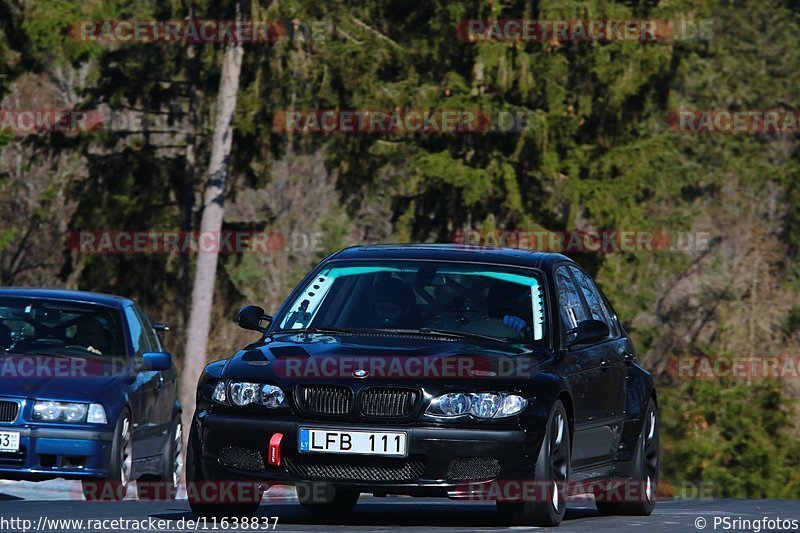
column 605, row 364
column 628, row 358
column 160, row 383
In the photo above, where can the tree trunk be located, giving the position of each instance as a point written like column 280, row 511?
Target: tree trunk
column 213, row 209
column 187, row 193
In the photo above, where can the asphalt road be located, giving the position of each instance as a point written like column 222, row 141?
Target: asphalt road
column 59, row 500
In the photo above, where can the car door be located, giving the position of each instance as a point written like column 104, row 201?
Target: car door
column 144, row 394
column 168, row 379
column 614, row 365
column 587, row 369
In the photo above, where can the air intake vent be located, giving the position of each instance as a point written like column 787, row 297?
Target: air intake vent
column 325, row 399
column 8, row 411
column 473, row 468
column 388, row 402
column 330, row 469
column 240, row 458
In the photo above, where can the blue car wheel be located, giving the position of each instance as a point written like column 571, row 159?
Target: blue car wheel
column 115, row 486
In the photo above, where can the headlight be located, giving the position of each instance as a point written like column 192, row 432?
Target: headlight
column 244, row 393
column 477, row 404
column 512, row 405
column 272, row 396
column 47, row 411
column 454, row 404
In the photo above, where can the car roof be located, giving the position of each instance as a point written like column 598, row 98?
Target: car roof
column 454, row 252
column 67, row 296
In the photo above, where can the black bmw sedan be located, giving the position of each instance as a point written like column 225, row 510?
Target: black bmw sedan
column 432, row 370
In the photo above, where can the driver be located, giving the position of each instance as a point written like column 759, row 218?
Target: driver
column 91, row 335
column 510, row 303
column 392, row 304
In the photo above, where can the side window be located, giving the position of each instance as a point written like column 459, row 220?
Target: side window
column 153, row 344
column 570, row 306
column 616, row 329
column 596, row 305
column 138, row 338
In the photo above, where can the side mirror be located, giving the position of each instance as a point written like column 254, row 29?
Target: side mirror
column 250, row 317
column 588, row 332
column 156, row 361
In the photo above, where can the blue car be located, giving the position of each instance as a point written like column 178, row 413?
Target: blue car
column 87, row 392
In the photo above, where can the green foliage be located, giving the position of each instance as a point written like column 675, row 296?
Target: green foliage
column 8, row 236
column 792, row 323
column 54, row 28
column 596, row 154
column 735, row 436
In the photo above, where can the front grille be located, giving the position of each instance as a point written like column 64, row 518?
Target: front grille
column 8, row 411
column 388, row 402
column 335, row 470
column 473, row 468
column 240, row 458
column 325, row 399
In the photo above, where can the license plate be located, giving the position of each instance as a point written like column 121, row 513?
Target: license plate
column 353, row 442
column 9, row 441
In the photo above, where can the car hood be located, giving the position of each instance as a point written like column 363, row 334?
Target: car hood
column 58, row 378
column 379, row 359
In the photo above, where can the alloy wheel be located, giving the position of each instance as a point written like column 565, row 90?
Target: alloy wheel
column 126, row 451
column 559, row 457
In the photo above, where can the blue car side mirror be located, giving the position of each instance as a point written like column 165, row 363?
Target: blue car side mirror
column 156, row 361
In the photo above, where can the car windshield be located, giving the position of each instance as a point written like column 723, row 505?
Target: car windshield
column 470, row 300
column 55, row 327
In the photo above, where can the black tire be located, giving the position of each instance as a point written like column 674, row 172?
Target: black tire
column 639, row 499
column 164, row 487
column 326, row 498
column 195, row 478
column 115, row 486
column 551, row 477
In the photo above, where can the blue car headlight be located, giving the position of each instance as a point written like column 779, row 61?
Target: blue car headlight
column 72, row 412
column 482, row 405
column 241, row 393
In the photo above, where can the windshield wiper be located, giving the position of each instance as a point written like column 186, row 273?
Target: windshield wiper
column 397, row 331
column 45, row 353
column 446, row 332
column 325, row 329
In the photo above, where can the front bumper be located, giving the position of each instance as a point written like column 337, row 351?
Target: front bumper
column 441, row 461
column 48, row 452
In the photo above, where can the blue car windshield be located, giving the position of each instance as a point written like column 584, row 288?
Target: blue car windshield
column 472, row 299
column 57, row 327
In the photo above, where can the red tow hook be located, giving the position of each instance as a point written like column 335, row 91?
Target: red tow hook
column 274, row 457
